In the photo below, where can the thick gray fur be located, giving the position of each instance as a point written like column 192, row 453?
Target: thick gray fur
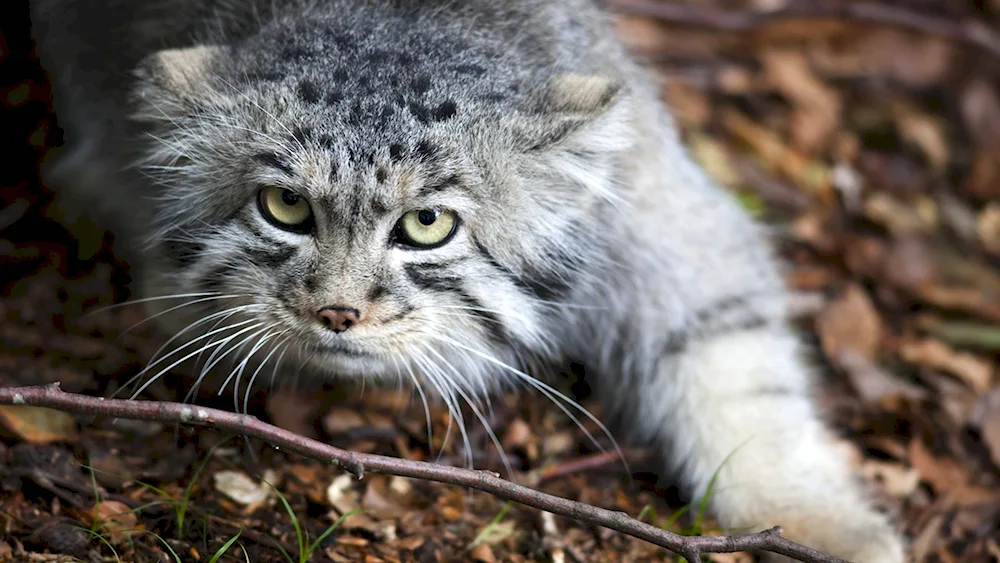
column 586, row 230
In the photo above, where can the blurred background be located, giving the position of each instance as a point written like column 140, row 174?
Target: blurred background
column 865, row 133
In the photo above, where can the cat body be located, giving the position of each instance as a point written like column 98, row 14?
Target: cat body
column 452, row 193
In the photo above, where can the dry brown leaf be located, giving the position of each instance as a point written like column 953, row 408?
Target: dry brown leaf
column 876, row 386
column 918, row 215
column 981, row 110
column 924, row 131
column 245, row 490
column 991, row 431
column 976, row 372
column 948, row 477
column 309, row 480
column 382, row 501
column 292, row 410
column 928, row 538
column 917, row 61
column 520, row 435
column 343, row 496
column 558, row 443
column 988, row 228
column 115, row 521
column 816, row 106
column 983, row 180
column 341, row 421
column 851, row 322
column 38, row 425
column 810, row 175
column 715, row 159
column 688, row 104
column 897, row 480
column 482, row 553
column 736, row 79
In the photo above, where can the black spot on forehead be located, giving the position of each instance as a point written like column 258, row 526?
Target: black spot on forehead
column 381, row 175
column 334, row 96
column 446, row 110
column 469, row 69
column 396, row 152
column 339, row 75
column 426, row 150
column 308, row 91
column 421, row 84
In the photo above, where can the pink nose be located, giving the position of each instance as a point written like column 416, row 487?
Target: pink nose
column 338, row 319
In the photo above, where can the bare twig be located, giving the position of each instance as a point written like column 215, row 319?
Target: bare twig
column 357, row 464
column 578, row 465
column 971, row 32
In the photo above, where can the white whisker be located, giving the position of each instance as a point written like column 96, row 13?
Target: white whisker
column 547, row 389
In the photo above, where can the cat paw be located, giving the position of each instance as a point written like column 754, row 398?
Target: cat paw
column 858, row 537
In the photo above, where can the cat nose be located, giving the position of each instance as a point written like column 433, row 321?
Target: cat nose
column 339, row 319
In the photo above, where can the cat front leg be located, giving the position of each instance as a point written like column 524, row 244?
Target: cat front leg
column 738, row 402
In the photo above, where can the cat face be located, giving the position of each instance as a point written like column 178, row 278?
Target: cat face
column 404, row 227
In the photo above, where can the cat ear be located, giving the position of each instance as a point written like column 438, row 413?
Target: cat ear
column 578, row 109
column 174, row 81
column 582, row 95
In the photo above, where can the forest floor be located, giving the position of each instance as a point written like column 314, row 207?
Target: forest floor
column 867, row 134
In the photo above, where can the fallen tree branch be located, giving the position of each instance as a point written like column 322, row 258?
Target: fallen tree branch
column 971, row 32
column 357, row 464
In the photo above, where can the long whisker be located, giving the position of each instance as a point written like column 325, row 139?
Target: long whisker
column 153, row 360
column 211, row 364
column 253, row 378
column 423, row 399
column 482, row 419
column 262, row 337
column 222, row 342
column 181, row 306
column 546, row 389
column 441, row 382
column 242, row 366
column 148, row 299
column 208, row 334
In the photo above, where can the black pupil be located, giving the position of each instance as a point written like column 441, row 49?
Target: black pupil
column 427, row 217
column 289, row 198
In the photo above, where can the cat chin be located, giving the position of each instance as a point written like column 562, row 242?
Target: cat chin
column 332, row 365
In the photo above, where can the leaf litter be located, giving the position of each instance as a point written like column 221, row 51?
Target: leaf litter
column 871, row 147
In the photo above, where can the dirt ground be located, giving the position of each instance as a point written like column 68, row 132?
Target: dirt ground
column 866, row 133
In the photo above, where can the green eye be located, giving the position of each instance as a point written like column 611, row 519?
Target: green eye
column 426, row 228
column 285, row 209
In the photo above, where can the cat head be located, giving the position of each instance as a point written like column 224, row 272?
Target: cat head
column 377, row 209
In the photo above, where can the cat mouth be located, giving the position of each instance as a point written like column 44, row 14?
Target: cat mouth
column 343, row 350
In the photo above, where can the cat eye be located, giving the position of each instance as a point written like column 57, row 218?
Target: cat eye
column 426, row 228
column 285, row 209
